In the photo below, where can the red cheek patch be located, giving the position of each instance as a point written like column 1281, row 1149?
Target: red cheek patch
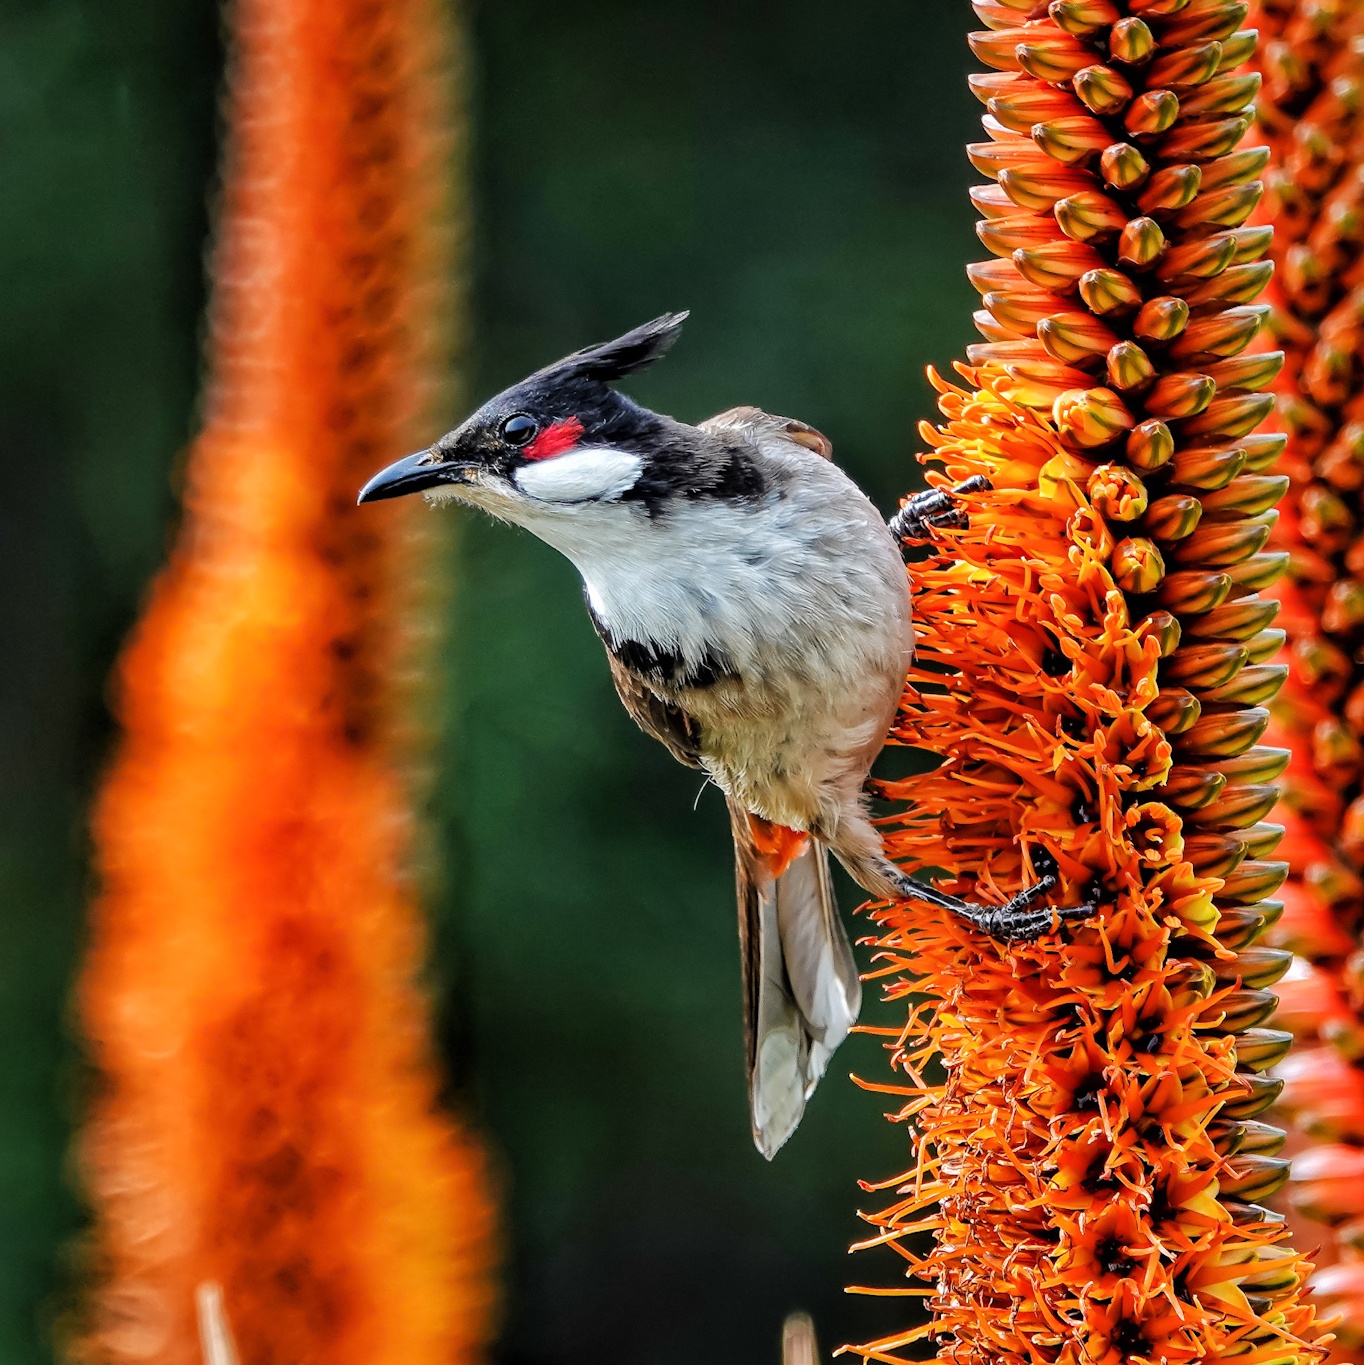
column 555, row 439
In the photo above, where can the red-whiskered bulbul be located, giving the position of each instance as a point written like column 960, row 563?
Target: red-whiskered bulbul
column 755, row 610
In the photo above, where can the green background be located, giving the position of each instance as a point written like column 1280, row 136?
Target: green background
column 791, row 173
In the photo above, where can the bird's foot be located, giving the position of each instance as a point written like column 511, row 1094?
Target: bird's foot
column 1018, row 920
column 934, row 508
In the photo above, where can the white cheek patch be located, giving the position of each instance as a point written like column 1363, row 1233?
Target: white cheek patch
column 589, row 474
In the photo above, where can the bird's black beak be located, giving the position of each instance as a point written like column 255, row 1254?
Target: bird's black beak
column 411, row 474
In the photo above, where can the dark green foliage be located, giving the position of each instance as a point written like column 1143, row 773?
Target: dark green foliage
column 793, row 174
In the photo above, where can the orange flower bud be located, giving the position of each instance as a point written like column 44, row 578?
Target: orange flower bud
column 1240, row 1010
column 1073, row 337
column 989, row 326
column 1258, row 1049
column 1254, row 684
column 1222, row 334
column 1137, row 565
column 1236, row 284
column 1211, row 22
column 1170, row 189
column 1253, row 1178
column 1262, row 448
column 1214, row 854
column 1152, row 113
column 1038, row 187
column 990, row 158
column 1247, row 371
column 1254, row 878
column 1237, row 48
column 1173, row 517
column 1161, row 319
column 1185, row 66
column 1071, row 141
column 1123, row 166
column 1336, row 753
column 1057, row 265
column 1175, row 710
column 1256, row 966
column 1109, row 291
column 1266, row 645
column 1053, row 57
column 1200, row 259
column 1189, row 789
column 1249, row 1095
column 1083, row 17
column 1230, row 417
column 1180, row 395
column 1165, row 627
column 1130, row 41
column 1238, row 621
column 1089, row 216
column 1258, row 572
column 996, row 274
column 1020, row 310
column 1128, row 366
column 1247, row 496
column 1149, row 445
column 1088, row 418
column 1227, row 207
column 1024, row 103
column 1224, row 95
column 1003, row 236
column 1141, row 243
column 1203, row 141
column 1236, row 169
column 1102, row 89
column 1221, row 544
column 1200, row 666
column 1208, row 467
column 998, row 48
column 991, row 201
column 1194, row 591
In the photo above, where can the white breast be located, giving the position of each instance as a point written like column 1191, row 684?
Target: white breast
column 782, row 585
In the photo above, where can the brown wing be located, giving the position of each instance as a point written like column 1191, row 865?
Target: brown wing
column 668, row 724
column 754, row 422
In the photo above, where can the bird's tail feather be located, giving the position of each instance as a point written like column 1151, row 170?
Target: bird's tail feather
column 801, row 988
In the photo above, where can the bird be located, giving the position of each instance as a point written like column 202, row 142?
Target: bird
column 756, row 613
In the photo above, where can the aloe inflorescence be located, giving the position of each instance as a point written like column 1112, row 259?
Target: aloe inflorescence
column 1096, row 658
column 1310, row 113
column 264, row 1155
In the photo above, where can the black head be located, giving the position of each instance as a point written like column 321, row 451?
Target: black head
column 564, row 406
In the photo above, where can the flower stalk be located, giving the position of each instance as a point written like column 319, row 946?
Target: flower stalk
column 1095, row 658
column 265, row 1138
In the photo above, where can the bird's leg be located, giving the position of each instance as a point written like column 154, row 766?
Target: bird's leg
column 1016, row 921
column 933, row 507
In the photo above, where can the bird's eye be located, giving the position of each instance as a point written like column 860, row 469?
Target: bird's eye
column 519, row 430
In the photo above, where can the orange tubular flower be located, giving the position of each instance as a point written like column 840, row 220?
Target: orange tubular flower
column 265, row 1136
column 1094, row 667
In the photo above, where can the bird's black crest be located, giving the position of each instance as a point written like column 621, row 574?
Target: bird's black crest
column 611, row 360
